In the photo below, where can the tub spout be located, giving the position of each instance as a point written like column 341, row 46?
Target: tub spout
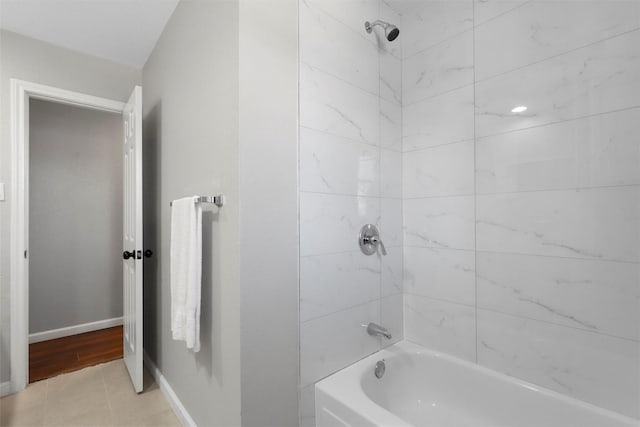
column 378, row 331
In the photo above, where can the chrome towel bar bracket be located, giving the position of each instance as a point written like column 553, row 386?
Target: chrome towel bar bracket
column 216, row 200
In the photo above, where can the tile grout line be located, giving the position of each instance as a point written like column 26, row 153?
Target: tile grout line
column 506, row 12
column 448, row 301
column 438, row 95
column 545, row 190
column 352, row 252
column 402, row 229
column 491, row 135
column 343, row 80
column 444, row 144
column 558, row 55
column 348, row 139
column 342, row 310
column 474, row 26
column 475, row 190
column 437, row 44
column 518, row 316
column 106, row 391
column 547, row 322
column 298, row 237
column 381, row 174
column 521, row 254
column 351, row 195
column 46, row 400
column 446, row 196
column 565, row 189
column 520, row 67
column 553, row 123
column 439, row 248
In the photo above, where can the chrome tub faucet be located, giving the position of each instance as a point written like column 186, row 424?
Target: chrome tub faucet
column 376, row 330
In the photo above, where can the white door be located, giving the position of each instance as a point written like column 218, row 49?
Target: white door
column 132, row 237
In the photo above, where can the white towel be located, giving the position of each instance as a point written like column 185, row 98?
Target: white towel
column 186, row 271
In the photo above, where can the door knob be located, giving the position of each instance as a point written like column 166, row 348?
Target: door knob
column 127, row 254
column 148, row 253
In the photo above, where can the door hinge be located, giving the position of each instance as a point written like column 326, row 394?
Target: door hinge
column 25, row 254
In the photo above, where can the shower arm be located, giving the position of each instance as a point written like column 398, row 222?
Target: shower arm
column 369, row 25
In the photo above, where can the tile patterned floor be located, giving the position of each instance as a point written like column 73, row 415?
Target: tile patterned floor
column 101, row 395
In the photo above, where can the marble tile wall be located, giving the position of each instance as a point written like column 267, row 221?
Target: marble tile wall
column 522, row 231
column 438, row 176
column 350, row 175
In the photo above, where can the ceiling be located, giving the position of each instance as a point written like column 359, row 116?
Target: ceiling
column 123, row 31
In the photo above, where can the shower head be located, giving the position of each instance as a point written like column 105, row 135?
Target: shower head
column 391, row 32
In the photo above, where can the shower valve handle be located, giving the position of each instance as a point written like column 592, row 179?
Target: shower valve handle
column 377, row 241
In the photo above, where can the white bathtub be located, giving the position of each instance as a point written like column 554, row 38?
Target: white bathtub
column 426, row 388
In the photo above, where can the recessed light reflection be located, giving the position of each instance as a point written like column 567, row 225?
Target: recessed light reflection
column 519, row 109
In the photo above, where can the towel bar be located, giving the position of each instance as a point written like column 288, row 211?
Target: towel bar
column 216, row 200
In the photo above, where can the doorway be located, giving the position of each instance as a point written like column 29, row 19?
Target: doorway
column 75, row 220
column 130, row 114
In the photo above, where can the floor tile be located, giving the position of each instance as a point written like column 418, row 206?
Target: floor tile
column 100, row 395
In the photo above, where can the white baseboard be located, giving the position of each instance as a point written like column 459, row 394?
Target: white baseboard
column 74, row 330
column 5, row 388
column 176, row 405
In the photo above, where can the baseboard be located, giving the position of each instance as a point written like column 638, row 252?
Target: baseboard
column 74, row 330
column 165, row 387
column 5, row 388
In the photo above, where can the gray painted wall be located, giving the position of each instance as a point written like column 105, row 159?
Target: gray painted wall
column 191, row 147
column 269, row 211
column 75, row 222
column 28, row 59
column 208, row 132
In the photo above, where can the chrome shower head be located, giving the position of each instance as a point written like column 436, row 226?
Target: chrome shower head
column 391, row 32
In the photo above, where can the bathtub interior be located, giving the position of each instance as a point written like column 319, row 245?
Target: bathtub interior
column 423, row 387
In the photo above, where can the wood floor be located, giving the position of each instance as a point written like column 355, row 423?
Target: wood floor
column 50, row 358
